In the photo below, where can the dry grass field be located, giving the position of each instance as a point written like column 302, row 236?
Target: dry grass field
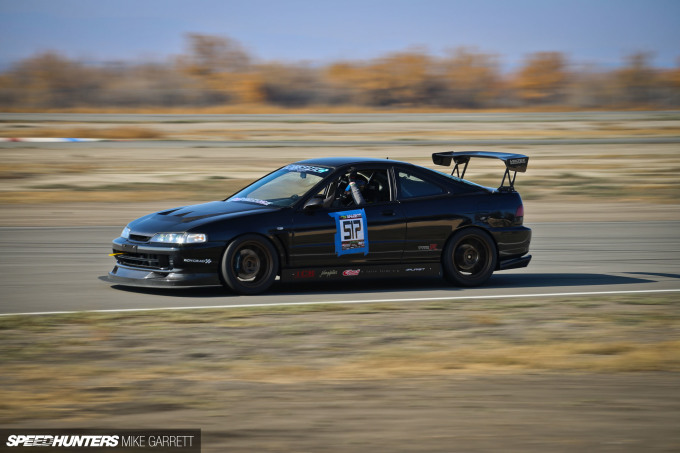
column 420, row 377
column 564, row 181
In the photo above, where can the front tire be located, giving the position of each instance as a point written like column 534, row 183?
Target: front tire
column 249, row 265
column 469, row 257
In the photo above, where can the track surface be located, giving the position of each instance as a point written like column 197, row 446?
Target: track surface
column 57, row 269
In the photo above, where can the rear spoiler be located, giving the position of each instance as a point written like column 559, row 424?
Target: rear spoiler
column 513, row 163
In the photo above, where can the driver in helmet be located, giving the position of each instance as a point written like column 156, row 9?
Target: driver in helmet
column 346, row 191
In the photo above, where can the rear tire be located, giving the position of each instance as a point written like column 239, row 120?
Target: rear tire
column 249, row 264
column 469, row 257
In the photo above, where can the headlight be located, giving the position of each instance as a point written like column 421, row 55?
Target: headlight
column 179, row 238
column 126, row 233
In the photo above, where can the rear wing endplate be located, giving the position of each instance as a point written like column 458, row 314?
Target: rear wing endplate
column 513, row 163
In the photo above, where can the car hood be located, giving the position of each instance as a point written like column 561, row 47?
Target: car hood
column 183, row 219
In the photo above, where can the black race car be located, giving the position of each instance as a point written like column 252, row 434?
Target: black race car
column 335, row 218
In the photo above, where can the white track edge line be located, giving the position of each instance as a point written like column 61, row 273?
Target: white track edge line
column 338, row 302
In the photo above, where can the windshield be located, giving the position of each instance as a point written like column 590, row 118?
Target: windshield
column 283, row 187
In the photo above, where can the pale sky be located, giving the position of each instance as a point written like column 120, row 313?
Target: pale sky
column 600, row 32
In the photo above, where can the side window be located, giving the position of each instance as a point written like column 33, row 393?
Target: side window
column 412, row 186
column 377, row 188
column 373, row 185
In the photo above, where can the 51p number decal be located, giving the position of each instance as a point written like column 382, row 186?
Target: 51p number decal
column 351, row 232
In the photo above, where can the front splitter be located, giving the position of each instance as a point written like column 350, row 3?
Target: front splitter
column 154, row 279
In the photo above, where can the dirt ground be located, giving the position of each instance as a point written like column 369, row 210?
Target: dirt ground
column 590, row 374
column 110, row 184
column 486, row 413
column 63, row 186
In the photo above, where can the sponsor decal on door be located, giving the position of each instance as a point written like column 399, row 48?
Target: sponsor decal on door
column 351, row 234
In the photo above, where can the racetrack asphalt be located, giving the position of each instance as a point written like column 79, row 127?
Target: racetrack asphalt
column 58, row 269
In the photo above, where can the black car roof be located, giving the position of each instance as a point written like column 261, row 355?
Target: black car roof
column 340, row 161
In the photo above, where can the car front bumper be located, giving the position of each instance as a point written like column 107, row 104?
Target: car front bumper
column 121, row 275
column 150, row 265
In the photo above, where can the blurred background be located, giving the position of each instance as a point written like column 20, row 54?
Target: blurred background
column 434, row 55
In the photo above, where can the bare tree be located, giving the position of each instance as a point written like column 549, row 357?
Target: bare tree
column 543, row 78
column 217, row 70
column 210, row 55
column 472, row 79
column 637, row 79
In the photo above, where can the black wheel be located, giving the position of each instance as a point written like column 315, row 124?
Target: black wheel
column 250, row 264
column 469, row 257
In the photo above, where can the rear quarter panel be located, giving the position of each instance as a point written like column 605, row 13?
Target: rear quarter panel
column 430, row 223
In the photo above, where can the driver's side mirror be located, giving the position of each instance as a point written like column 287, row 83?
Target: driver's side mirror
column 313, row 204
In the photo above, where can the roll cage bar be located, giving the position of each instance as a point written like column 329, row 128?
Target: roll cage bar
column 513, row 163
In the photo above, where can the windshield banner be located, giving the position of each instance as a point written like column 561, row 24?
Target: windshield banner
column 306, row 168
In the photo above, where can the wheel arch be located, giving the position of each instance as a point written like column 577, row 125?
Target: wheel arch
column 470, row 226
column 249, row 264
column 273, row 240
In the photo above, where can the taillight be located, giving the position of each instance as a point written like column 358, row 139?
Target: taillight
column 519, row 215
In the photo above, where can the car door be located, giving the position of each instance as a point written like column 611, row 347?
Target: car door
column 431, row 211
column 345, row 233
